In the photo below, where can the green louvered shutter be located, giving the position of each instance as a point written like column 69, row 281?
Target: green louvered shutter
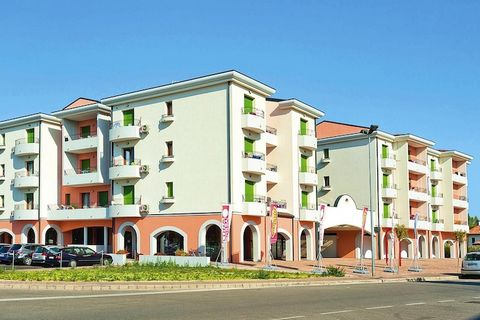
column 128, row 195
column 249, row 191
column 247, row 104
column 128, row 117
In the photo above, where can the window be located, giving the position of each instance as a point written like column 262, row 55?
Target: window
column 103, row 199
column 433, row 165
column 434, row 190
column 30, row 168
column 85, row 200
column 128, row 195
column 249, row 191
column 85, row 132
column 384, row 151
column 473, row 239
column 326, row 154
column 2, row 139
column 29, row 201
column 169, row 148
column 169, row 108
column 2, row 170
column 304, row 199
column 128, row 156
column 169, row 189
column 303, row 127
column 128, row 117
column 31, row 135
column 435, row 216
column 2, row 201
column 326, row 181
column 247, row 104
column 248, row 145
column 303, row 163
column 386, row 210
column 386, row 182
column 67, row 199
column 85, row 166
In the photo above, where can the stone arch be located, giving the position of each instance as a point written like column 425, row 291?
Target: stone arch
column 256, row 245
column 435, row 247
column 159, row 231
column 24, row 234
column 121, row 236
column 9, row 233
column 422, row 247
column 202, row 235
column 406, row 248
column 57, row 229
column 288, row 244
column 451, row 252
column 305, row 244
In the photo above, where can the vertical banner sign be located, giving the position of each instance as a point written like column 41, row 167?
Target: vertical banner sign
column 226, row 221
column 415, row 233
column 274, row 229
column 321, row 230
column 364, row 220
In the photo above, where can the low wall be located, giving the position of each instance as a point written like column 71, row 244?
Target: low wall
column 178, row 260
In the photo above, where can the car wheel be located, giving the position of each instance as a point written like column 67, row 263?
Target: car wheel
column 72, row 264
column 27, row 261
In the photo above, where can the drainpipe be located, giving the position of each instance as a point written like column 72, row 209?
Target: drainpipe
column 229, row 165
column 379, row 240
column 39, row 180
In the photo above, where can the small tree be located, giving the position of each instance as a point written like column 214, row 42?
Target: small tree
column 402, row 233
column 460, row 236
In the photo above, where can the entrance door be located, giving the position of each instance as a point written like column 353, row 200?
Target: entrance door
column 279, row 248
column 128, row 195
column 85, row 166
column 128, row 156
column 128, row 243
column 248, row 244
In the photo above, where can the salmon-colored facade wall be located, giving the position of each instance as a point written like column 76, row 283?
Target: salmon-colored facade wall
column 346, row 243
column 92, row 123
column 76, row 193
column 327, row 129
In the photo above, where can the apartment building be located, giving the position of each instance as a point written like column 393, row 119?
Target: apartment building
column 409, row 177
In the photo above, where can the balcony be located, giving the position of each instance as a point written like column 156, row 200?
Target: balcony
column 167, row 118
column 81, row 143
column 325, row 160
column 417, row 165
column 253, row 120
column 460, row 201
column 121, row 169
column 254, row 206
column 438, row 225
column 25, row 148
column 307, row 139
column 25, row 179
column 168, row 158
column 71, row 212
column 422, row 223
column 308, row 176
column 119, row 132
column 271, row 137
column 79, row 177
column 389, row 162
column 272, row 174
column 387, row 221
column 436, row 174
column 459, row 177
column 309, row 213
column 389, row 191
column 281, row 205
column 167, row 200
column 254, row 162
column 119, row 209
column 460, row 225
column 24, row 212
column 418, row 194
column 437, row 199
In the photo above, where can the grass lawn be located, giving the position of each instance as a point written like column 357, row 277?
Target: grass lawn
column 158, row 272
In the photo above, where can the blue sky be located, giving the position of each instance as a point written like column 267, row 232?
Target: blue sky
column 409, row 66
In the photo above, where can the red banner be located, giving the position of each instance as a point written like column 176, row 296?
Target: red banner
column 274, row 229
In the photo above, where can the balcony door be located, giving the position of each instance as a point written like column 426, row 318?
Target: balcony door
column 128, row 156
column 128, row 195
column 30, row 135
column 103, row 199
column 85, row 200
column 303, row 163
column 85, row 166
column 304, row 199
column 30, row 168
column 85, row 131
column 248, row 145
column 303, row 127
column 249, row 191
column 29, row 201
column 128, row 117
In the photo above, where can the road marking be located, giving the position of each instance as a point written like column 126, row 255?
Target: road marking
column 293, row 317
column 443, row 301
column 333, row 312
column 415, row 304
column 381, row 307
column 476, row 297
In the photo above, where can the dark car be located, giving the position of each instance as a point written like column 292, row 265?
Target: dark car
column 3, row 251
column 41, row 253
column 76, row 256
column 21, row 252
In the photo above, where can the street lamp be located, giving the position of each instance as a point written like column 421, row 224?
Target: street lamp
column 373, row 128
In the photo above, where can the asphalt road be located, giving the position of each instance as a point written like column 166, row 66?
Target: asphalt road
column 432, row 300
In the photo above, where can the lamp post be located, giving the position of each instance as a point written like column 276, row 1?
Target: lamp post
column 373, row 128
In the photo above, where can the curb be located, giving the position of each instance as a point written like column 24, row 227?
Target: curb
column 169, row 286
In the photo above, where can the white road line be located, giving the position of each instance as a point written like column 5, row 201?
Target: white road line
column 476, row 297
column 381, row 307
column 287, row 318
column 443, row 301
column 415, row 304
column 333, row 312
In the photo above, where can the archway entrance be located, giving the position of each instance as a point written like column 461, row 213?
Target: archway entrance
column 51, row 237
column 422, row 252
column 279, row 249
column 405, row 248
column 303, row 245
column 248, row 244
column 448, row 249
column 6, row 237
column 213, row 242
column 31, row 236
column 435, row 248
column 130, row 242
column 168, row 242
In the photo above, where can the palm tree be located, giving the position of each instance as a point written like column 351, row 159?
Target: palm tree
column 460, row 237
column 402, row 233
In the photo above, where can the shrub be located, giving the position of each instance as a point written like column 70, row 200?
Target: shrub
column 333, row 271
column 475, row 248
column 180, row 253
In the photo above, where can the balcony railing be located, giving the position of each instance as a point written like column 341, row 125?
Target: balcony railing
column 124, row 162
column 392, row 214
column 389, row 156
column 459, row 173
column 389, row 186
column 69, row 172
column 121, row 202
column 437, row 195
column 79, row 136
column 416, row 160
column 73, row 206
column 255, row 198
column 420, row 218
column 464, row 222
column 271, row 130
column 254, row 155
column 309, row 206
column 438, row 221
column 458, row 197
column 281, row 204
column 272, row 167
column 308, row 169
column 24, row 140
column 26, row 206
column 20, row 174
column 418, row 189
column 254, row 111
column 306, row 132
column 121, row 123
column 439, row 170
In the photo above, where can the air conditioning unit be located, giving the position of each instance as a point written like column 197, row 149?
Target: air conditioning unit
column 144, row 128
column 144, row 208
column 144, row 168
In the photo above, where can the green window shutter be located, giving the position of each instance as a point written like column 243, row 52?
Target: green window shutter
column 30, row 135
column 249, row 191
column 434, row 190
column 103, row 198
column 67, row 199
column 247, row 104
column 304, row 199
column 248, row 145
column 432, row 165
column 85, row 131
column 385, row 180
column 85, row 165
column 434, row 215
column 128, row 195
column 303, row 127
column 386, row 210
column 128, row 117
column 303, row 163
column 384, row 151
column 170, row 189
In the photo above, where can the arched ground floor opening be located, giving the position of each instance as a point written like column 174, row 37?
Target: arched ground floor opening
column 345, row 242
column 435, row 247
column 449, row 249
column 406, row 249
column 6, row 236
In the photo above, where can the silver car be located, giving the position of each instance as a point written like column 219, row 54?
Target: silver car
column 40, row 254
column 471, row 264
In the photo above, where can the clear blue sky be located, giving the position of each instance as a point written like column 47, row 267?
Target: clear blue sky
column 409, row 66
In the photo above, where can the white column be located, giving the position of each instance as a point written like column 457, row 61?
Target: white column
column 85, row 236
column 105, row 239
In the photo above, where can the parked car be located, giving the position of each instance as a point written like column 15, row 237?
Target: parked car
column 3, row 251
column 22, row 253
column 41, row 253
column 76, row 256
column 471, row 265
